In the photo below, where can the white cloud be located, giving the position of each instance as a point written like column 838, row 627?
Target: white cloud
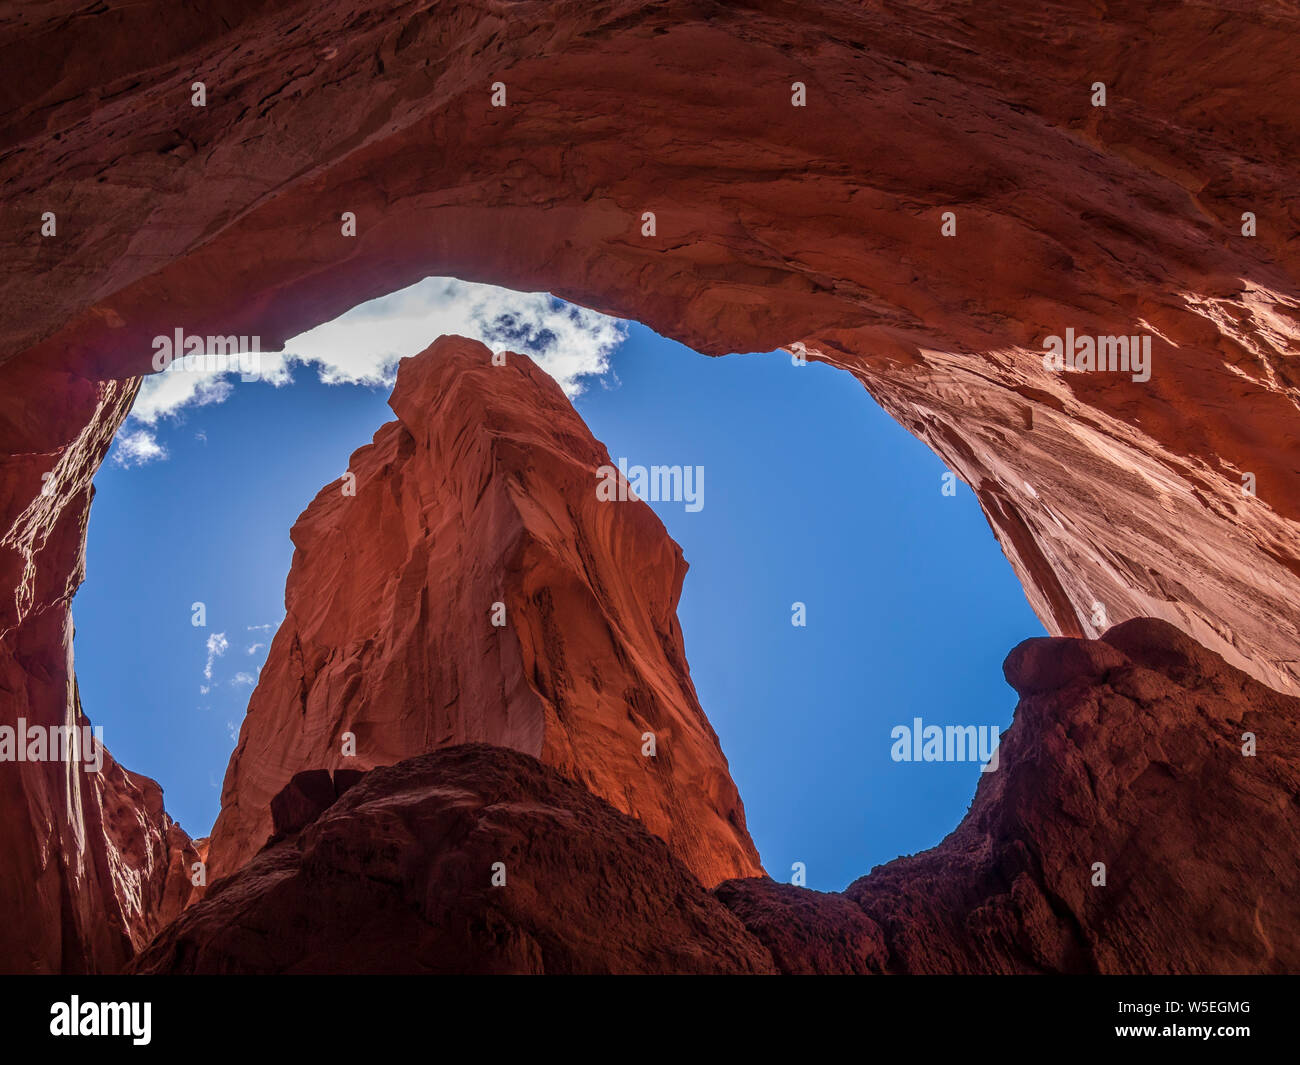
column 259, row 628
column 254, row 648
column 217, row 646
column 242, row 678
column 364, row 346
column 136, row 446
column 165, row 393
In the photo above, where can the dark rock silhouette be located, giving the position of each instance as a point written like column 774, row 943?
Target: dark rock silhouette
column 397, row 876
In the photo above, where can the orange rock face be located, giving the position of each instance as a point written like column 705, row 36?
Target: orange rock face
column 464, row 583
column 102, row 866
column 1168, row 212
column 775, row 225
column 92, row 865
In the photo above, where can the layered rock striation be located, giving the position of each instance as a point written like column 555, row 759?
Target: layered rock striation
column 94, row 866
column 774, row 224
column 465, row 582
column 91, row 865
column 128, row 212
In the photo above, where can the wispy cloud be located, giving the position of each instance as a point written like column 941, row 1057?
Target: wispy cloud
column 364, row 345
column 165, row 393
column 241, row 678
column 217, row 646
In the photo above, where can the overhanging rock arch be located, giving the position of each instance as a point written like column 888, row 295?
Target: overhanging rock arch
column 775, row 225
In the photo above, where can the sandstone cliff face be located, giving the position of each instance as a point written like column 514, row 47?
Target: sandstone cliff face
column 479, row 504
column 775, row 225
column 151, row 859
column 94, row 867
column 1125, row 751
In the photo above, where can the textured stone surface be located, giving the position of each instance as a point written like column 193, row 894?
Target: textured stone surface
column 775, row 225
column 308, row 795
column 93, row 864
column 1127, row 752
column 90, row 863
column 483, row 491
column 809, row 933
column 151, row 859
column 396, row 877
column 1130, row 754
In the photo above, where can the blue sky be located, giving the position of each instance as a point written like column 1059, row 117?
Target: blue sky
column 812, row 495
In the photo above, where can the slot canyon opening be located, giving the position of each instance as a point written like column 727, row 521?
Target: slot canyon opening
column 814, row 506
column 943, row 197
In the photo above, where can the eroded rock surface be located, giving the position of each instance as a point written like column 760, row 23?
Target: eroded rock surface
column 94, row 866
column 479, row 504
column 775, row 225
column 1127, row 751
column 398, row 875
column 91, row 865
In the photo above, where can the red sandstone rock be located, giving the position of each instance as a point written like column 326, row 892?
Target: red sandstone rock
column 103, row 865
column 775, row 225
column 151, row 858
column 809, row 933
column 397, row 877
column 483, row 492
column 90, row 864
column 306, row 797
column 1127, row 752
